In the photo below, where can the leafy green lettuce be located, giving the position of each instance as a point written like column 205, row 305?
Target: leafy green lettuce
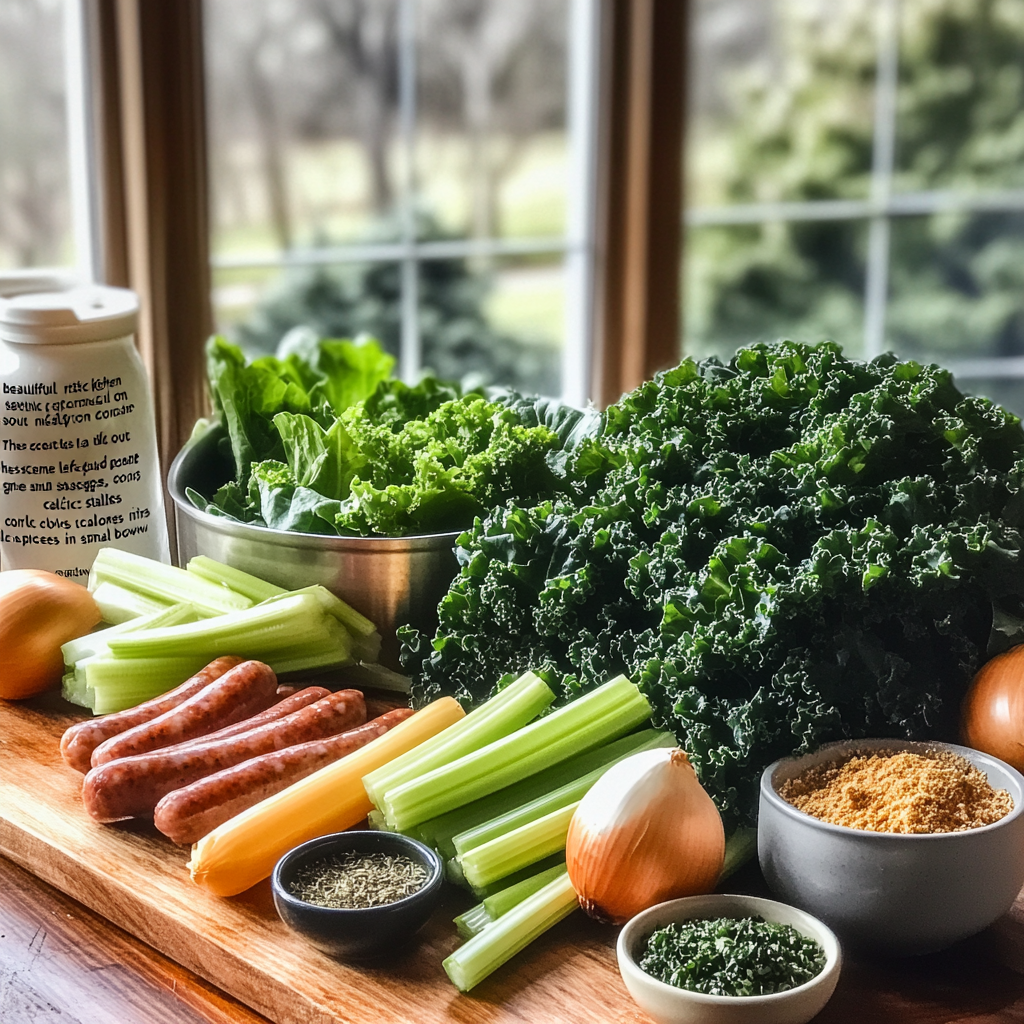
column 324, row 441
column 792, row 548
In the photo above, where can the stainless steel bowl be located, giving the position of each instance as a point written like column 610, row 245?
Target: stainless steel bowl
column 392, row 580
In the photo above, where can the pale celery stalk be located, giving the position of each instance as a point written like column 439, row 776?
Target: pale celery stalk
column 165, row 583
column 117, row 684
column 355, row 623
column 288, row 622
column 481, row 892
column 600, row 716
column 118, row 604
column 512, row 932
column 517, row 849
column 240, row 582
column 365, row 640
column 537, row 808
column 508, row 710
column 96, row 643
column 473, row 921
column 439, row 831
column 479, row 916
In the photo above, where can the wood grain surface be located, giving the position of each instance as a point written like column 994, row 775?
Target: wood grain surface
column 61, row 962
column 138, row 880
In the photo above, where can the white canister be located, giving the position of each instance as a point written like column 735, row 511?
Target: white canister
column 78, row 458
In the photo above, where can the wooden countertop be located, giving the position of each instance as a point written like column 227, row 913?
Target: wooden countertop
column 62, row 964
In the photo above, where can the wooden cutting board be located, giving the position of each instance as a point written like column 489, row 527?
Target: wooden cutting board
column 137, row 879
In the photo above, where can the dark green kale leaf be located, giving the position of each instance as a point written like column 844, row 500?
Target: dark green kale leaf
column 791, row 549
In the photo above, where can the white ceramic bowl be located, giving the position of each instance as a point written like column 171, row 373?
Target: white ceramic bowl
column 670, row 1005
column 888, row 892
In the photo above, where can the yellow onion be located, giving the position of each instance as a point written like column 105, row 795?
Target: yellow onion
column 645, row 832
column 992, row 716
column 39, row 611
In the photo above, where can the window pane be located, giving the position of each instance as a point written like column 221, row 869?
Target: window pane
column 35, row 215
column 491, row 147
column 961, row 95
column 302, row 114
column 957, row 286
column 258, row 307
column 801, row 279
column 1006, row 391
column 781, row 100
column 500, row 322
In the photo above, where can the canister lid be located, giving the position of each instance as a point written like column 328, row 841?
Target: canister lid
column 87, row 313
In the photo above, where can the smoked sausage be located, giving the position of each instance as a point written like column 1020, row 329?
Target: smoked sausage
column 81, row 739
column 130, row 787
column 186, row 815
column 294, row 701
column 241, row 692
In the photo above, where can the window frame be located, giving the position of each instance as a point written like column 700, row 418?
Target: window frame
column 882, row 206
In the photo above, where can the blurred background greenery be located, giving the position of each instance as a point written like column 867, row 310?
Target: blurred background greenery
column 854, row 170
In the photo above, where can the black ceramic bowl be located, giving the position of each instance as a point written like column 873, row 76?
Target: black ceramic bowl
column 363, row 934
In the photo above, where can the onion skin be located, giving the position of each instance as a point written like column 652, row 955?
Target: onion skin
column 646, row 832
column 39, row 611
column 992, row 715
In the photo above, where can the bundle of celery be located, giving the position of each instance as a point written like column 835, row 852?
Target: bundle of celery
column 494, row 794
column 170, row 622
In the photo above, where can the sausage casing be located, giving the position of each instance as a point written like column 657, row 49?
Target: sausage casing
column 132, row 786
column 241, row 692
column 285, row 706
column 82, row 738
column 186, row 815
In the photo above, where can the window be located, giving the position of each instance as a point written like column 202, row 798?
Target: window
column 417, row 169
column 856, row 171
column 35, row 179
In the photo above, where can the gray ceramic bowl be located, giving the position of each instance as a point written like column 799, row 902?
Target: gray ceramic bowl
column 892, row 893
column 670, row 1005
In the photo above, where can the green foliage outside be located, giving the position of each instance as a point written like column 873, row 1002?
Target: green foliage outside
column 957, row 279
column 457, row 339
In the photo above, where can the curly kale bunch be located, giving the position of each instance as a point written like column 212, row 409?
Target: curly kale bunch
column 793, row 548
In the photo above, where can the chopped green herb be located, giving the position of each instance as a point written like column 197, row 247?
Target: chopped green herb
column 353, row 881
column 745, row 956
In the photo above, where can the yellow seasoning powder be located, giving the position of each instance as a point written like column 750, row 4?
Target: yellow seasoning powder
column 937, row 791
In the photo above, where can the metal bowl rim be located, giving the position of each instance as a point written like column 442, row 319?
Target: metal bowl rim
column 232, row 528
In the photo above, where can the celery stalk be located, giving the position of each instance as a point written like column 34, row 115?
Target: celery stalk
column 517, row 849
column 482, row 892
column 479, row 916
column 165, row 583
column 284, row 623
column 499, row 942
column 119, row 604
column 240, row 582
column 600, row 716
column 116, row 684
column 473, row 921
column 440, row 831
column 358, row 625
column 96, row 643
column 508, row 710
column 534, row 809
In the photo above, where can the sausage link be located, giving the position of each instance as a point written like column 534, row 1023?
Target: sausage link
column 186, row 815
column 284, row 706
column 239, row 693
column 81, row 739
column 130, row 787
